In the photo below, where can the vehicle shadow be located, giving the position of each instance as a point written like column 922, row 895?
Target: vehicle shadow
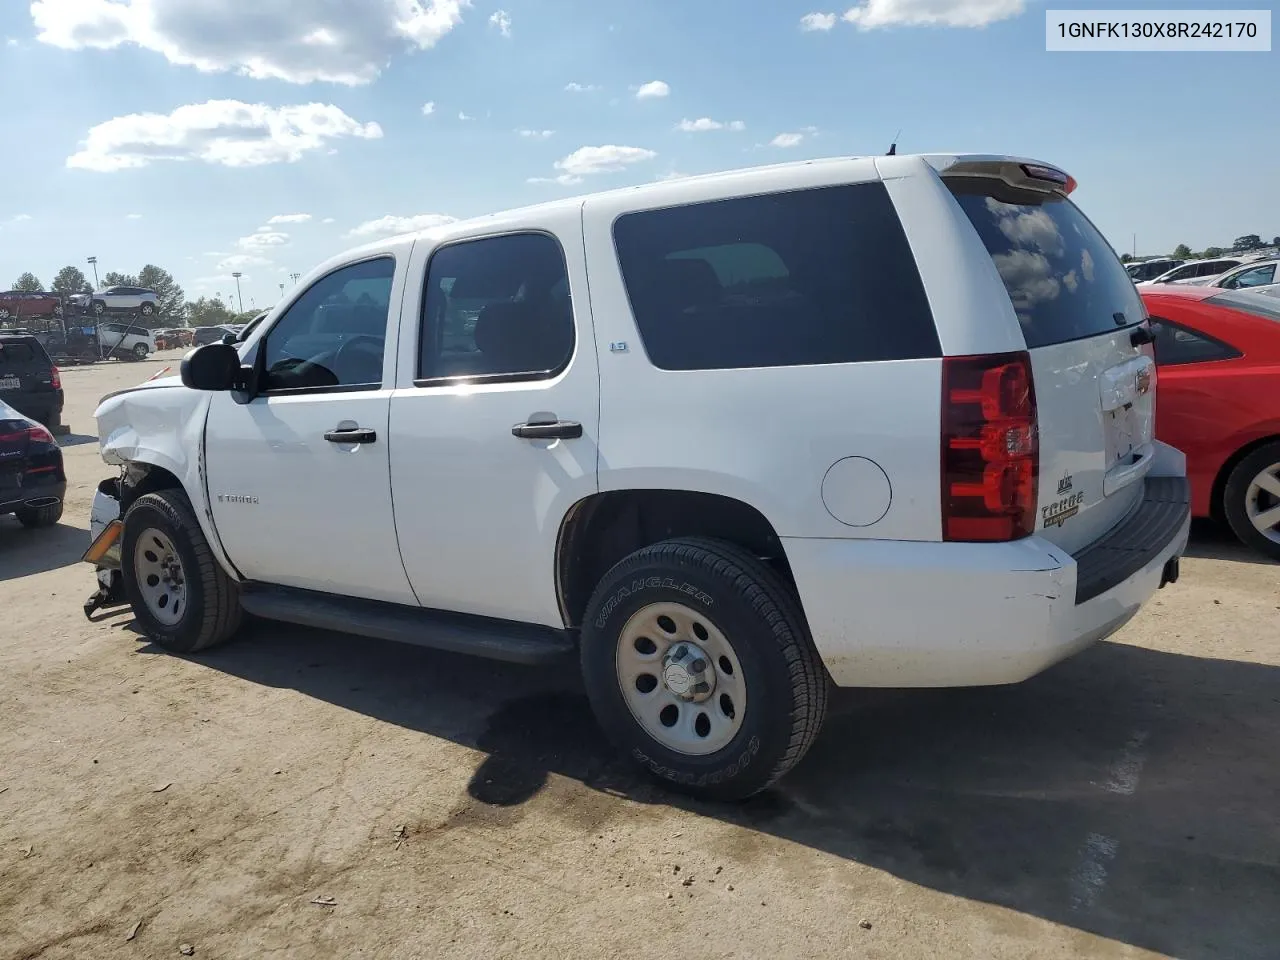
column 1126, row 792
column 1213, row 541
column 76, row 439
column 24, row 552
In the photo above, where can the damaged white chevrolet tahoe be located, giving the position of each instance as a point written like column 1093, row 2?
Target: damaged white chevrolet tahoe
column 871, row 421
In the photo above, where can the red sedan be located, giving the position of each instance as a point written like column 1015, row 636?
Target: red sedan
column 1218, row 400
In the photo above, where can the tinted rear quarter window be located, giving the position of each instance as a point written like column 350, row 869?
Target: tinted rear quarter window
column 16, row 353
column 1063, row 278
column 1249, row 301
column 785, row 279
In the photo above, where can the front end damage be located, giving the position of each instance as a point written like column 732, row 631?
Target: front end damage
column 105, row 527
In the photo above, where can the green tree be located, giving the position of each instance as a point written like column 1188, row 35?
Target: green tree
column 70, row 280
column 1213, row 251
column 1250, row 241
column 27, row 283
column 1182, row 251
column 208, row 312
column 1125, row 258
column 117, row 279
column 1275, row 241
column 171, row 300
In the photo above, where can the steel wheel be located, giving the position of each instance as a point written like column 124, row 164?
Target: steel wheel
column 1262, row 502
column 161, row 581
column 681, row 678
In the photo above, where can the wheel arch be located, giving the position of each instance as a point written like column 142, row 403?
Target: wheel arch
column 605, row 527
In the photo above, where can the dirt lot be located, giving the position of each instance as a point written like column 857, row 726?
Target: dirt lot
column 302, row 794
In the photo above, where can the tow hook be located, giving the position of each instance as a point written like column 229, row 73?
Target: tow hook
column 1170, row 574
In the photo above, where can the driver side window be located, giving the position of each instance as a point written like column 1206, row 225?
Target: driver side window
column 333, row 336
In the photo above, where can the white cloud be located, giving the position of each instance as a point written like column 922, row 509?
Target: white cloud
column 652, row 89
column 464, row 116
column 948, row 13
column 133, row 216
column 428, row 108
column 390, row 225
column 502, row 20
column 327, row 220
column 263, row 240
column 10, row 41
column 580, row 87
column 238, row 261
column 786, row 140
column 16, row 219
column 287, row 218
column 671, row 175
column 226, row 132
column 341, row 41
column 536, row 134
column 817, row 21
column 589, row 161
column 706, row 124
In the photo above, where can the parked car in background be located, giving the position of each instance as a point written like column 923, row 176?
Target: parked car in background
column 29, row 381
column 205, row 335
column 126, row 341
column 33, row 482
column 1218, row 355
column 140, row 300
column 1196, row 271
column 1150, row 269
column 1257, row 273
column 173, row 337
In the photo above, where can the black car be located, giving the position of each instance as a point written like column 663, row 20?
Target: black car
column 33, row 482
column 29, row 382
column 205, row 335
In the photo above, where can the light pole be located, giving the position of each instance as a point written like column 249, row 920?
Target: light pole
column 294, row 277
column 93, row 262
column 239, row 295
column 281, row 291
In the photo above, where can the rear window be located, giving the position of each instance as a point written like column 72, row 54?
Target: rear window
column 17, row 353
column 785, row 279
column 1062, row 276
column 1248, row 301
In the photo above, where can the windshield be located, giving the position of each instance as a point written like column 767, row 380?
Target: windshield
column 1064, row 279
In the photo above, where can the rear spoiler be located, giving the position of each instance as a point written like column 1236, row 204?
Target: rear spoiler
column 1015, row 171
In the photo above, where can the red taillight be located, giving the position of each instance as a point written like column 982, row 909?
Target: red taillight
column 990, row 447
column 38, row 434
column 57, row 379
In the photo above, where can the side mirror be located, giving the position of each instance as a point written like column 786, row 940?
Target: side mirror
column 215, row 366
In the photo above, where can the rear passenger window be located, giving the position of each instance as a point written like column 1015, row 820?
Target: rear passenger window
column 785, row 279
column 1176, row 344
column 17, row 354
column 498, row 307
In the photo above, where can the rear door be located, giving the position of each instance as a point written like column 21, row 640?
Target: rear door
column 1094, row 386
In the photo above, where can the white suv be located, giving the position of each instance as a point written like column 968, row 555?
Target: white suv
column 873, row 421
column 126, row 341
column 124, row 300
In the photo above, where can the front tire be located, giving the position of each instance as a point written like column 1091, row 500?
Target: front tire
column 1251, row 500
column 148, row 309
column 698, row 663
column 181, row 597
column 35, row 517
column 99, row 307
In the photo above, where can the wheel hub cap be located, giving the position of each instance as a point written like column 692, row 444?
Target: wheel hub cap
column 160, row 577
column 686, row 672
column 681, row 678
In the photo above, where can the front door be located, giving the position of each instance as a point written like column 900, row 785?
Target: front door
column 298, row 477
column 494, row 424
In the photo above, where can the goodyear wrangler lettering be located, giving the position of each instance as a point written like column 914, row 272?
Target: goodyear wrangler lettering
column 649, row 583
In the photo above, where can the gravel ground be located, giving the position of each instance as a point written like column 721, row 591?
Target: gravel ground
column 305, row 794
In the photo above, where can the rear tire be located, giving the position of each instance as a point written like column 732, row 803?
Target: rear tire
column 140, row 351
column 1251, row 500
column 99, row 307
column 729, row 698
column 148, row 309
column 34, row 517
column 181, row 596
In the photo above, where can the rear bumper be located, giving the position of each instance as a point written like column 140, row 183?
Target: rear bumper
column 904, row 614
column 32, row 494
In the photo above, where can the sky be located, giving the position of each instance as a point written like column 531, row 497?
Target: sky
column 212, row 136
